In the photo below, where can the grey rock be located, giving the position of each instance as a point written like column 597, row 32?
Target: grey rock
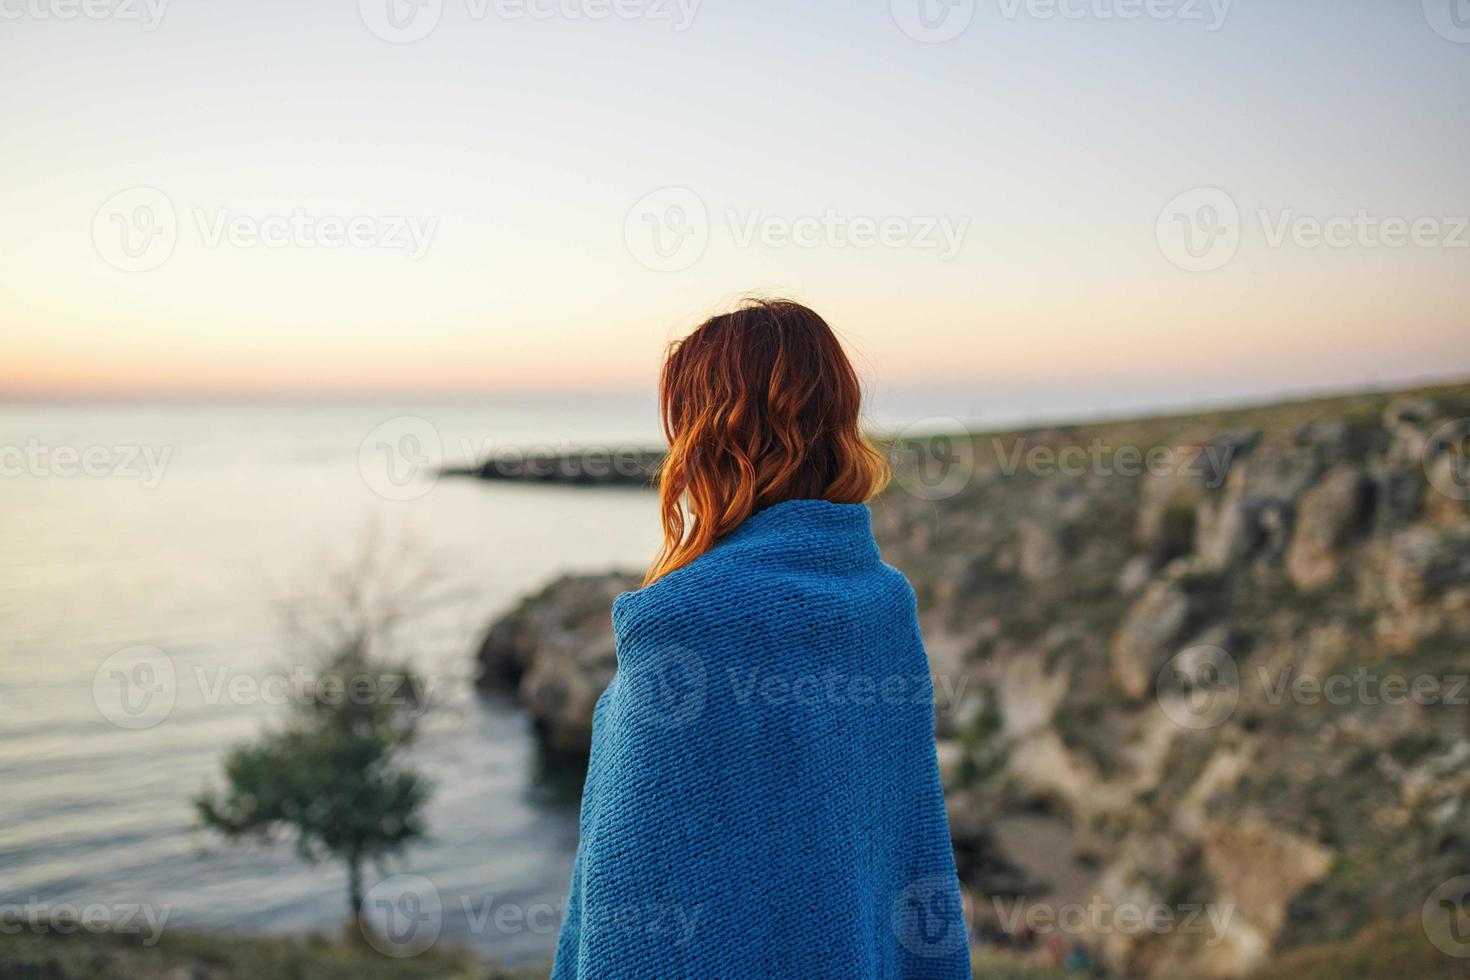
column 1329, row 516
column 555, row 651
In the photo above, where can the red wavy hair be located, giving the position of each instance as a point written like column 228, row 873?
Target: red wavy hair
column 759, row 406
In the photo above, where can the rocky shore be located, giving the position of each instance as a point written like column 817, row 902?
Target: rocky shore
column 1216, row 661
column 595, row 466
column 555, row 651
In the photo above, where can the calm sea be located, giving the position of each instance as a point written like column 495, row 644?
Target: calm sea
column 187, row 528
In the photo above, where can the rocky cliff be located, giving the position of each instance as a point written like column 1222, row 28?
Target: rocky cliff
column 1210, row 664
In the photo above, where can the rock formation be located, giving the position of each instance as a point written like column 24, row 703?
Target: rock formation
column 1232, row 676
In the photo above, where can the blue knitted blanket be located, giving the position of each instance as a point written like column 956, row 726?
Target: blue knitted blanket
column 763, row 798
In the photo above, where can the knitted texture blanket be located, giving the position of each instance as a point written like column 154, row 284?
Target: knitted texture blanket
column 763, row 798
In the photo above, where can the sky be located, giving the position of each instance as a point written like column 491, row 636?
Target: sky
column 1126, row 200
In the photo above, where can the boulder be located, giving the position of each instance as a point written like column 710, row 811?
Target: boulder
column 1042, row 552
column 1170, row 500
column 1249, row 518
column 555, row 651
column 1149, row 635
column 1134, row 574
column 1447, row 467
column 1425, row 562
column 1408, row 420
column 1328, row 517
column 1258, row 869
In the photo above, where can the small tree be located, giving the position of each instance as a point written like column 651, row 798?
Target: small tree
column 332, row 778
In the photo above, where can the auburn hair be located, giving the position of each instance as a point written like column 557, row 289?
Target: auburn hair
column 759, row 406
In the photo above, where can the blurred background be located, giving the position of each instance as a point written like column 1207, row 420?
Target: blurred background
column 330, row 339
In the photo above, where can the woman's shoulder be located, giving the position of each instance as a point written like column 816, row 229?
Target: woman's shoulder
column 733, row 587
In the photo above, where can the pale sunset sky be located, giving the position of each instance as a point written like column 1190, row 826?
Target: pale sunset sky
column 498, row 170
